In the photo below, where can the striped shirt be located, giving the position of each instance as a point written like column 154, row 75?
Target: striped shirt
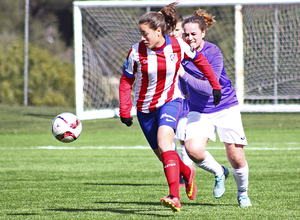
column 156, row 73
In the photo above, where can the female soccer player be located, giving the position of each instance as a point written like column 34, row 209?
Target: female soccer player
column 204, row 117
column 154, row 62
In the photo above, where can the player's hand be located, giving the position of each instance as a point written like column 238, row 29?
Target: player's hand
column 127, row 121
column 217, row 96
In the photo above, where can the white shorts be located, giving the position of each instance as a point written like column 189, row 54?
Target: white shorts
column 227, row 122
column 180, row 131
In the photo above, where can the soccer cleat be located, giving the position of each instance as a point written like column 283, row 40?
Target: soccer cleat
column 244, row 201
column 191, row 188
column 219, row 188
column 171, row 202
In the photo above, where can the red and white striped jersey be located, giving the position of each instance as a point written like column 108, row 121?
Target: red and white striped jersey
column 156, row 74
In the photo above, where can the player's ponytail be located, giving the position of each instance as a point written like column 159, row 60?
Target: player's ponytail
column 165, row 18
column 201, row 17
column 171, row 15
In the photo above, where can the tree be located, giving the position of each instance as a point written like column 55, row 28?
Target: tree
column 51, row 81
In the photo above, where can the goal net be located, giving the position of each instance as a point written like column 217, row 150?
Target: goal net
column 259, row 41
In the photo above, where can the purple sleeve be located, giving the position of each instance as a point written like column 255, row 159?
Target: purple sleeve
column 183, row 86
column 201, row 86
column 215, row 58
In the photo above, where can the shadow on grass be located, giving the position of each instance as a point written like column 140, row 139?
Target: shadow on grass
column 16, row 214
column 130, row 210
column 121, row 184
column 114, row 210
column 156, row 203
column 45, row 116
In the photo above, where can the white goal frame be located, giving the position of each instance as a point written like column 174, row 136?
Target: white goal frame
column 238, row 57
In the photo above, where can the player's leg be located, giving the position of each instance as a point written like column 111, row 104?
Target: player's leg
column 180, row 136
column 198, row 131
column 176, row 148
column 184, row 155
column 173, row 166
column 169, row 115
column 149, row 126
column 165, row 136
column 207, row 162
column 240, row 171
column 234, row 138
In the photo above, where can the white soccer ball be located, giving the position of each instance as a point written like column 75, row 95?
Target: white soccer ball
column 66, row 127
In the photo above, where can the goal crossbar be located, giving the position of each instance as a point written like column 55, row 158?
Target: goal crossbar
column 86, row 4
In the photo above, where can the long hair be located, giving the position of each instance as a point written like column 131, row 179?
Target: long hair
column 202, row 18
column 165, row 18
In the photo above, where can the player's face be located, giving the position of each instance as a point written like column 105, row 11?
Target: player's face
column 152, row 38
column 178, row 31
column 194, row 36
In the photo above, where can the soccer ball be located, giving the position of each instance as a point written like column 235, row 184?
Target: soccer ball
column 66, row 127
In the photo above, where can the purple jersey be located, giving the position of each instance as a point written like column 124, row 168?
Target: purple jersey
column 200, row 91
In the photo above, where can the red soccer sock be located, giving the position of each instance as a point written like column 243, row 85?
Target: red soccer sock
column 184, row 169
column 171, row 168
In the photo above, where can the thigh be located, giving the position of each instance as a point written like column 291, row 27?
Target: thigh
column 169, row 115
column 149, row 125
column 165, row 137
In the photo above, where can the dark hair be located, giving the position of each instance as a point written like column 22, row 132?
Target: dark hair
column 165, row 18
column 202, row 18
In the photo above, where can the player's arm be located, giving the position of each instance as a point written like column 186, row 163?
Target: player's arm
column 203, row 65
column 203, row 86
column 125, row 88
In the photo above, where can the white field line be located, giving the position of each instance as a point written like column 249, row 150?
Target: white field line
column 263, row 146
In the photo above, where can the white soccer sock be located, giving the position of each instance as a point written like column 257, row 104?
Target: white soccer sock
column 174, row 146
column 185, row 157
column 241, row 179
column 211, row 165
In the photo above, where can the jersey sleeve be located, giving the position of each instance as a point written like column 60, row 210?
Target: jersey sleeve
column 202, row 64
column 215, row 59
column 125, row 87
column 128, row 67
column 201, row 86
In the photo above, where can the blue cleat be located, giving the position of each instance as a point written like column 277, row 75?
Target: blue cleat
column 219, row 189
column 244, row 201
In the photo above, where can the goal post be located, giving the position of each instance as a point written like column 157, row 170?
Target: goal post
column 259, row 41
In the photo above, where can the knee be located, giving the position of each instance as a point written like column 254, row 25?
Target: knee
column 237, row 158
column 197, row 154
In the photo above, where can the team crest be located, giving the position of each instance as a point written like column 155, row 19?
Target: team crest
column 174, row 57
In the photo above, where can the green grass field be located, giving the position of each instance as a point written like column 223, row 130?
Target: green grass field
column 111, row 173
